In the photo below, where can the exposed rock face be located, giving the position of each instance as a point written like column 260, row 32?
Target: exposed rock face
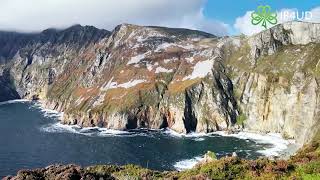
column 154, row 77
column 276, row 79
column 291, row 33
column 7, row 89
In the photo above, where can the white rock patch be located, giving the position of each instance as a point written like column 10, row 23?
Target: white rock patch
column 200, row 70
column 141, row 39
column 188, row 46
column 114, row 85
column 149, row 67
column 163, row 70
column 131, row 83
column 189, row 59
column 163, row 46
column 99, row 101
column 136, row 59
column 166, row 61
column 170, row 60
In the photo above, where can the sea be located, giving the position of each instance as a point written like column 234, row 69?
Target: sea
column 32, row 137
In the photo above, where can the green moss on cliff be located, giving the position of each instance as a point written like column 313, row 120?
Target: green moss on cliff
column 281, row 66
column 238, row 58
column 241, row 119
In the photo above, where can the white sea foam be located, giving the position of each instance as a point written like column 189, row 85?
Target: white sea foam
column 173, row 133
column 278, row 144
column 187, row 163
column 59, row 128
column 48, row 112
column 14, row 101
column 111, row 132
column 38, row 105
column 87, row 131
column 193, row 136
column 199, row 139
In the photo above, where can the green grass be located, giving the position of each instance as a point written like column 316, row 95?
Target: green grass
column 311, row 176
column 211, row 155
column 241, row 119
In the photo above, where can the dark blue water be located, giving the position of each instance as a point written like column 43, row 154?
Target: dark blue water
column 29, row 139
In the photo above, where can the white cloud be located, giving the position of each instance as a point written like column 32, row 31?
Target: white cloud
column 315, row 15
column 36, row 15
column 243, row 23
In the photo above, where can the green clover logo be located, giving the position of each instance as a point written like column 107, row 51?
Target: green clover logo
column 263, row 15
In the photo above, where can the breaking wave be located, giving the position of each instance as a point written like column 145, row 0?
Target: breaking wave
column 14, row 101
column 278, row 145
column 88, row 131
column 187, row 163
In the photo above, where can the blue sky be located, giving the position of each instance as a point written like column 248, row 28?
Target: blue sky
column 228, row 10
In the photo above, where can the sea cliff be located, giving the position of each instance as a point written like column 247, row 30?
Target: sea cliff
column 157, row 77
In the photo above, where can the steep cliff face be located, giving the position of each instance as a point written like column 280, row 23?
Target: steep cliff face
column 150, row 77
column 155, row 77
column 147, row 77
column 7, row 91
column 276, row 78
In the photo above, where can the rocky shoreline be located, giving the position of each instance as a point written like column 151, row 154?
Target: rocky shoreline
column 288, row 147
